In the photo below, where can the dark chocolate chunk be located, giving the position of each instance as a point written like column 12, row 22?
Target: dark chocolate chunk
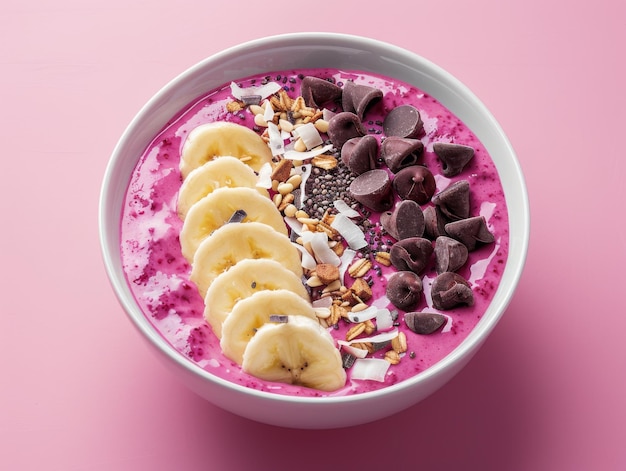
column 411, row 254
column 358, row 98
column 406, row 220
column 344, row 126
column 424, row 322
column 359, row 154
column 434, row 222
column 238, row 216
column 472, row 232
column 373, row 190
column 400, row 152
column 454, row 201
column 317, row 91
column 403, row 121
column 450, row 254
column 404, row 289
column 454, row 157
column 450, row 290
column 251, row 99
column 415, row 183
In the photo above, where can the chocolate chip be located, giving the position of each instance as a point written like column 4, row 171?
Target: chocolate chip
column 344, row 126
column 317, row 91
column 472, row 232
column 454, row 201
column 359, row 154
column 450, row 290
column 406, row 220
column 424, row 322
column 400, row 152
column 454, row 157
column 403, row 121
column 373, row 190
column 358, row 98
column 404, row 289
column 450, row 254
column 411, row 254
column 434, row 223
column 415, row 183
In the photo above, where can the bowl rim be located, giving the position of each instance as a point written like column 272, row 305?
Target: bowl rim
column 463, row 350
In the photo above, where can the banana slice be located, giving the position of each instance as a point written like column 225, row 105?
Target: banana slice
column 210, row 140
column 299, row 351
column 220, row 172
column 242, row 280
column 251, row 313
column 214, row 210
column 234, row 242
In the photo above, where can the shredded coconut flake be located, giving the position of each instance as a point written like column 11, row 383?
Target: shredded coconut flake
column 343, row 208
column 357, row 352
column 277, row 144
column 384, row 320
column 373, row 369
column 364, row 315
column 263, row 91
column 319, row 244
column 349, row 231
column 265, row 176
column 308, row 262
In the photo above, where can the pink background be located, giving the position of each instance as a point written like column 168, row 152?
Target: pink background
column 80, row 391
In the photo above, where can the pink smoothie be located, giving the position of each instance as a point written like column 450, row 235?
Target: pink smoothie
column 158, row 274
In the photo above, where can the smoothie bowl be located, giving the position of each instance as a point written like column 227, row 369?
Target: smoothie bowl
column 314, row 230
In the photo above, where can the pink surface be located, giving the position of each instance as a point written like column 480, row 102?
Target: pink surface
column 81, row 391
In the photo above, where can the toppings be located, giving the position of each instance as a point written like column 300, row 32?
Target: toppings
column 344, row 126
column 357, row 203
column 415, row 183
column 403, row 121
column 404, row 289
column 399, row 152
column 453, row 157
column 373, row 190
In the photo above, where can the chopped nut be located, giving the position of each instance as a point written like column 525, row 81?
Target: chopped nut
column 383, row 258
column 362, row 289
column 295, row 180
column 297, row 104
column 234, row 106
column 332, row 286
column 359, row 268
column 259, row 120
column 336, row 313
column 364, row 346
column 299, row 145
column 338, row 249
column 331, row 232
column 370, row 327
column 285, row 201
column 399, row 343
column 282, row 170
column 322, row 312
column 256, row 109
column 327, row 273
column 359, row 307
column 314, row 282
column 325, row 162
column 355, row 331
column 392, row 357
column 290, row 211
column 285, row 188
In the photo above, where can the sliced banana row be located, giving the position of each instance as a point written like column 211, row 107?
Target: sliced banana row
column 248, row 271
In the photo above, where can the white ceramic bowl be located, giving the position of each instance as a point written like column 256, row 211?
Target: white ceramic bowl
column 309, row 50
